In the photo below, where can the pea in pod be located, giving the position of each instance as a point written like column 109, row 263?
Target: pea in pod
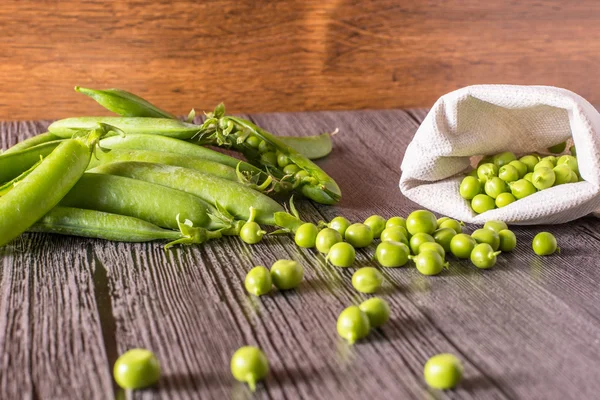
column 12, row 164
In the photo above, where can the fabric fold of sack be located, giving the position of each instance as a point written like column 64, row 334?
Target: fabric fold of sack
column 489, row 119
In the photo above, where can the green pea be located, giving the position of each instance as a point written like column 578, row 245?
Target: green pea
column 487, row 171
column 258, row 281
column 544, row 244
column 520, row 166
column 269, row 158
column 442, row 220
column 339, row 224
column 443, row 237
column 453, row 224
column 473, row 173
column 359, row 235
column 469, row 187
column 504, row 199
column 558, row 148
column 301, row 175
column 443, row 371
column 544, row 164
column 396, row 221
column 264, row 147
column 551, row 159
column 327, row 238
column 508, row 173
column 522, row 188
column 249, row 364
column 496, row 226
column 421, row 221
column 495, row 186
column 396, row 234
column 418, row 239
column 341, row 254
column 485, row 160
column 530, row 161
column 286, row 274
column 574, row 177
column 529, row 177
column 563, row 174
column 282, row 160
column 253, row 141
column 433, row 247
column 291, row 169
column 306, row 235
column 136, row 369
column 483, row 256
column 462, row 245
column 353, row 324
column 252, row 233
column 377, row 310
column 429, row 262
column 502, row 159
column 488, row 236
column 392, row 254
column 543, row 178
column 376, row 223
column 367, row 280
column 573, row 151
column 482, row 203
column 508, row 240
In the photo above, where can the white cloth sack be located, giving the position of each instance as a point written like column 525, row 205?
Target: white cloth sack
column 489, row 119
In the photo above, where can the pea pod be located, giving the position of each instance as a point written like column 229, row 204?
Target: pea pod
column 119, row 228
column 124, row 103
column 45, row 186
column 31, row 142
column 234, row 197
column 14, row 163
column 312, row 147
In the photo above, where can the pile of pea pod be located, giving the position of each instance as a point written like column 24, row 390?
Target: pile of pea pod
column 145, row 175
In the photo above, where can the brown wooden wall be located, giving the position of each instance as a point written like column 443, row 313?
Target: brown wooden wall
column 288, row 55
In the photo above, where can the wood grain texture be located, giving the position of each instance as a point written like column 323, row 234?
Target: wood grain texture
column 293, row 55
column 527, row 329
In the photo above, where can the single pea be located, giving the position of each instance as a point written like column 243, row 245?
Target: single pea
column 574, row 177
column 443, row 237
column 396, row 221
column 301, row 175
column 353, row 324
column 249, row 365
column 520, row 166
column 418, row 239
column 282, row 160
column 462, row 245
column 469, row 187
column 495, row 186
column 359, row 235
column 441, row 220
column 396, row 234
column 504, row 199
column 482, row 203
column 473, row 173
column 253, row 141
column 563, row 174
column 504, row 158
column 483, row 256
column 488, row 236
column 530, row 160
column 487, row 171
column 429, row 262
column 136, row 369
column 522, row 188
column 453, row 224
column 543, row 178
column 573, row 151
column 286, row 274
column 551, row 159
column 376, row 223
column 269, row 158
column 392, row 254
column 252, row 233
column 508, row 240
column 433, row 247
column 367, row 280
column 291, row 169
column 544, row 244
column 339, row 224
column 529, row 177
column 496, row 226
column 264, row 147
column 341, row 254
column 421, row 221
column 544, row 164
column 558, row 148
column 377, row 310
column 258, row 281
column 443, row 371
column 508, row 173
column 306, row 235
column 327, row 238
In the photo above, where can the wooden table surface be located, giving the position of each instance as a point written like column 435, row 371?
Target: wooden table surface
column 529, row 328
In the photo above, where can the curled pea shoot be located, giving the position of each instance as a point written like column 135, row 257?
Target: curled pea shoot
column 443, row 371
column 353, row 324
column 249, row 365
column 136, row 369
